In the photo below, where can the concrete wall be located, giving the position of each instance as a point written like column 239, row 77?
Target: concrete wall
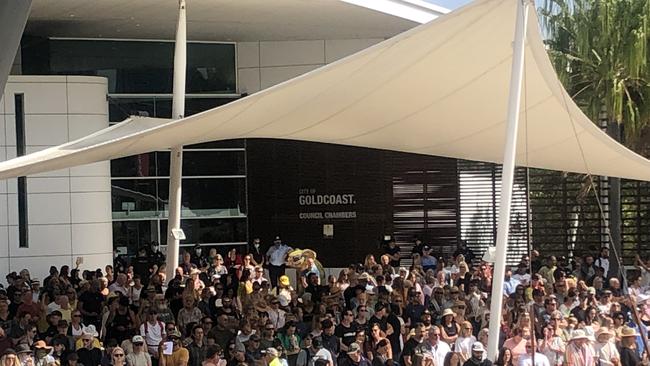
column 69, row 210
column 266, row 63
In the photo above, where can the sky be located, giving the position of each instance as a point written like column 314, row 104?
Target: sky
column 449, row 4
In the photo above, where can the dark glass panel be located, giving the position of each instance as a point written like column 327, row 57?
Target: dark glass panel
column 209, row 231
column 143, row 165
column 202, row 163
column 134, row 198
column 140, row 66
column 225, row 144
column 120, row 109
column 209, row 197
column 134, row 234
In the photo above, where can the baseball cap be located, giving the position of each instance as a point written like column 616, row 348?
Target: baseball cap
column 137, row 339
column 354, row 348
column 478, row 347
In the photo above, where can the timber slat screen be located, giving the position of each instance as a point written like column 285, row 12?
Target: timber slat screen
column 425, row 203
column 480, row 192
column 635, row 215
column 565, row 217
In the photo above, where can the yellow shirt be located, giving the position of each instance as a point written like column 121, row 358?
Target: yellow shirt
column 180, row 357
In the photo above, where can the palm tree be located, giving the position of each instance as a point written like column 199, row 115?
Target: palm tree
column 600, row 51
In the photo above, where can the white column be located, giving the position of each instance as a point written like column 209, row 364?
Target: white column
column 176, row 159
column 503, row 227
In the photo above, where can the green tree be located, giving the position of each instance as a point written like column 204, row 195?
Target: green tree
column 600, row 51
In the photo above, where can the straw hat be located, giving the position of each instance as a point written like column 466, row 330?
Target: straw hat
column 578, row 334
column 628, row 332
column 42, row 345
column 604, row 331
column 447, row 312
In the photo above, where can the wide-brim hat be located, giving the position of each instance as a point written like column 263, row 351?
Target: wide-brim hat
column 89, row 330
column 578, row 334
column 629, row 332
column 23, row 348
column 604, row 331
column 42, row 345
column 447, row 312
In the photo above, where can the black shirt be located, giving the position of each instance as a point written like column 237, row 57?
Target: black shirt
column 347, row 334
column 629, row 357
column 92, row 303
column 90, row 357
column 409, row 350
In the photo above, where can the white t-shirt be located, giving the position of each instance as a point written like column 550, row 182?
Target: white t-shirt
column 153, row 333
column 527, row 360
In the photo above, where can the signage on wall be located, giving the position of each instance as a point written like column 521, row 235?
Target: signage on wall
column 319, row 206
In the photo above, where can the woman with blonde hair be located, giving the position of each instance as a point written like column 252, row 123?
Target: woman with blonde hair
column 369, row 262
column 343, row 281
column 9, row 358
column 464, row 342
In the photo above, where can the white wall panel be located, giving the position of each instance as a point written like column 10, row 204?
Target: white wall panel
column 87, row 98
column 89, row 184
column 48, row 185
column 90, row 207
column 338, row 48
column 100, row 169
column 248, row 54
column 249, row 80
column 52, row 208
column 44, row 130
column 47, row 240
column 89, row 238
column 80, row 125
column 35, row 100
column 274, row 75
column 292, row 53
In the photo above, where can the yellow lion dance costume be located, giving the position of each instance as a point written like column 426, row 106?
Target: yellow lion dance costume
column 299, row 259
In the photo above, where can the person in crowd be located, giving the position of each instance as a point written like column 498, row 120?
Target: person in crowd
column 89, row 354
column 434, row 348
column 118, row 357
column 177, row 355
column 276, row 258
column 139, row 356
column 533, row 358
column 9, row 358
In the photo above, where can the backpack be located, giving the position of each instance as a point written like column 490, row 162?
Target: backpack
column 160, row 324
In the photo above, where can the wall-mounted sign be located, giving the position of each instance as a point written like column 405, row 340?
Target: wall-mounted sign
column 309, row 198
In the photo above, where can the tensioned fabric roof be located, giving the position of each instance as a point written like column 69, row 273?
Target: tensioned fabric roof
column 13, row 16
column 438, row 89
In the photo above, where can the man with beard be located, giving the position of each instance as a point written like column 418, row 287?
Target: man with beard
column 412, row 344
column 477, row 356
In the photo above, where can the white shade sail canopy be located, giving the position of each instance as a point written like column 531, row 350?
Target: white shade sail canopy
column 13, row 16
column 438, row 89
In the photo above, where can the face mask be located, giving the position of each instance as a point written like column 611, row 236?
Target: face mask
column 256, row 245
column 198, row 252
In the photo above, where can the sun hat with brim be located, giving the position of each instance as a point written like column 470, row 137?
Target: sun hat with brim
column 23, row 348
column 8, row 351
column 194, row 271
column 578, row 334
column 628, row 332
column 447, row 312
column 604, row 331
column 89, row 330
column 42, row 345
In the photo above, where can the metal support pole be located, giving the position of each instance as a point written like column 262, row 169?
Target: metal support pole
column 176, row 159
column 507, row 175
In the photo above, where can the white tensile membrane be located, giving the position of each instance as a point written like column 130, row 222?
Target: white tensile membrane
column 438, row 89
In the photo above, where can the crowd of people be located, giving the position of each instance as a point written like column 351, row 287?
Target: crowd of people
column 245, row 308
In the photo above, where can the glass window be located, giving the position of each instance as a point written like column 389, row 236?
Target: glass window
column 135, row 198
column 225, row 144
column 142, row 165
column 209, row 231
column 120, row 109
column 134, row 234
column 135, row 66
column 209, row 197
column 202, row 163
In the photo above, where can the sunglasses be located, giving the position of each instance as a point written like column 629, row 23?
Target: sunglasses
column 118, row 355
column 138, row 344
column 86, row 340
column 171, row 329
